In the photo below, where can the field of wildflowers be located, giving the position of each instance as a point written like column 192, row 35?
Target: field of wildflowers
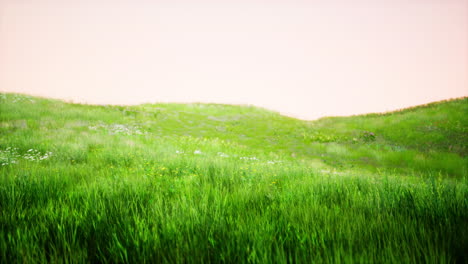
column 208, row 183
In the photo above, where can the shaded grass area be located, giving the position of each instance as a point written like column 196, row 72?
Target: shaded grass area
column 215, row 183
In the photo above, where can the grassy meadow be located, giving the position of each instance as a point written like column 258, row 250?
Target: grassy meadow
column 209, row 183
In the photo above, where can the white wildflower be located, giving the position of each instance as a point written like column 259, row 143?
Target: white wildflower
column 113, row 129
column 248, row 158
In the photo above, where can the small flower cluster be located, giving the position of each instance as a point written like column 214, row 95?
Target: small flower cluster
column 114, row 129
column 223, row 155
column 11, row 156
column 35, row 155
column 199, row 152
column 248, row 158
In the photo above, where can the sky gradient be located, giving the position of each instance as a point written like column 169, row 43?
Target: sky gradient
column 306, row 59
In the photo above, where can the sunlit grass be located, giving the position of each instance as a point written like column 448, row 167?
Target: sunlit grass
column 215, row 183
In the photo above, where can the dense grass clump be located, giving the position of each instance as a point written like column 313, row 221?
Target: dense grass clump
column 202, row 183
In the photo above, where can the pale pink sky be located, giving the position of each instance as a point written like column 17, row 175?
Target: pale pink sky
column 303, row 58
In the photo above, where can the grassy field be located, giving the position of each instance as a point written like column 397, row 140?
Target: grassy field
column 208, row 183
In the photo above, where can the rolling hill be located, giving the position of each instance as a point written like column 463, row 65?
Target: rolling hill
column 224, row 183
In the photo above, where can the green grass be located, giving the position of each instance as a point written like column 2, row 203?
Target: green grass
column 208, row 183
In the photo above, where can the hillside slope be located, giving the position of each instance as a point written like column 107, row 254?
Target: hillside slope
column 426, row 138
